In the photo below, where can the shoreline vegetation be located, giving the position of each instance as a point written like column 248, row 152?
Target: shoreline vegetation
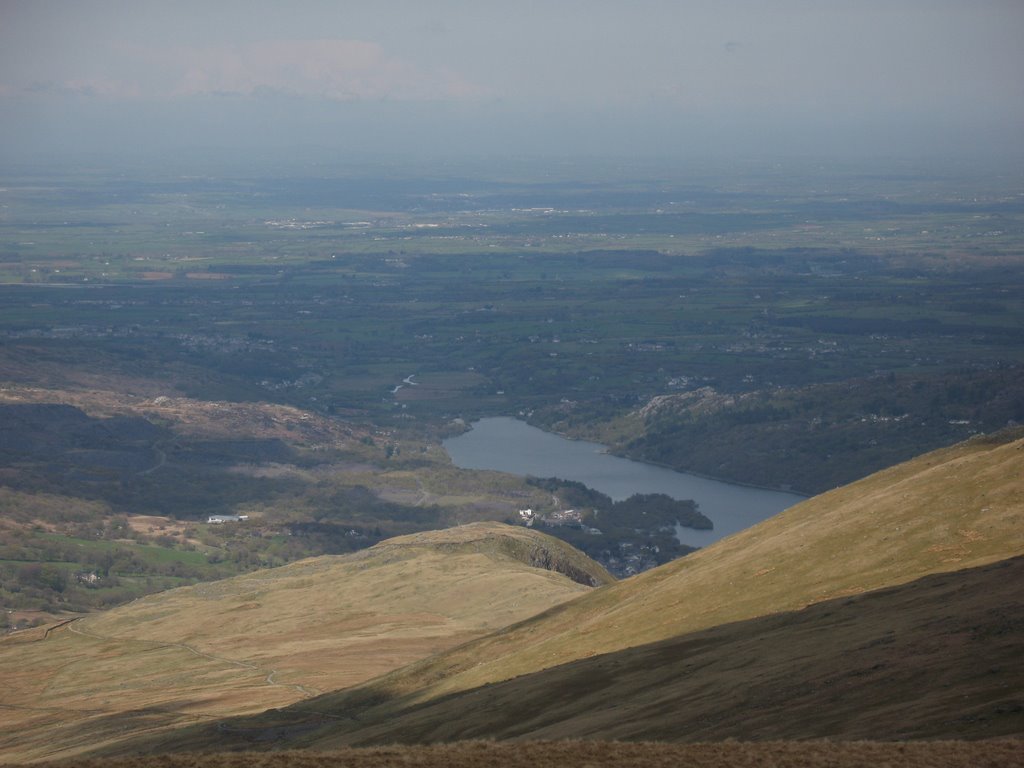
column 624, row 454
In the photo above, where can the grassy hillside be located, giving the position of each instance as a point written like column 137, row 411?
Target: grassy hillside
column 946, row 511
column 936, row 658
column 270, row 638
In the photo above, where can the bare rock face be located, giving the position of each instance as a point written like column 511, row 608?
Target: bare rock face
column 697, row 402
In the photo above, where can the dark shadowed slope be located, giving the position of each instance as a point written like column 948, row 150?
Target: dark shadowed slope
column 941, row 513
column 937, row 658
column 1001, row 753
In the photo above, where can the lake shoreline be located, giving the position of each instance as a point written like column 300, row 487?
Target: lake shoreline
column 640, row 459
column 512, row 445
column 716, row 478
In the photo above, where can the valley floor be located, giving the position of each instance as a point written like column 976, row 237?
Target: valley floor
column 1005, row 753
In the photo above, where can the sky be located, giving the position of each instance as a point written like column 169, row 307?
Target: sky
column 439, row 78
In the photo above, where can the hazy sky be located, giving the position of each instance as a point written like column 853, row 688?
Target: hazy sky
column 644, row 77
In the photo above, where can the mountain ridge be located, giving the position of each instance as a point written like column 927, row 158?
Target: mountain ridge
column 272, row 637
column 934, row 658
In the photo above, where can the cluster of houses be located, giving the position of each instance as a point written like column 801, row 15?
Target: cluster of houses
column 568, row 517
column 220, row 519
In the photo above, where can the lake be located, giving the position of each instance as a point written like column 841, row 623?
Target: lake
column 513, row 446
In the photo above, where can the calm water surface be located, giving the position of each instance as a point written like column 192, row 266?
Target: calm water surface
column 513, row 446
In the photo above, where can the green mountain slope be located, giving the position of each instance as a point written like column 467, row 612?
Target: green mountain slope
column 949, row 510
column 273, row 637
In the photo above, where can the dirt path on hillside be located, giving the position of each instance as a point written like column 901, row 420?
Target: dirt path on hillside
column 268, row 678
column 161, row 459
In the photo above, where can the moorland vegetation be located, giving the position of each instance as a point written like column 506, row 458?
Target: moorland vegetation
column 583, row 754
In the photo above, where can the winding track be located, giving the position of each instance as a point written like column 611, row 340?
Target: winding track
column 195, row 716
column 269, row 679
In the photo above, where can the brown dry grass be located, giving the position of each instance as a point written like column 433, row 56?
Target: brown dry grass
column 596, row 754
column 157, row 525
column 938, row 658
column 265, row 639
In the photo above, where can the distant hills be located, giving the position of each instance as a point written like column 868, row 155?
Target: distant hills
column 891, row 608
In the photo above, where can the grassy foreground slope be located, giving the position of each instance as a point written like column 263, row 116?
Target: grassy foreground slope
column 272, row 637
column 946, row 511
column 1004, row 753
column 936, row 658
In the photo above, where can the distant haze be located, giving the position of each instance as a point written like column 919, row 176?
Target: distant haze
column 566, row 77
